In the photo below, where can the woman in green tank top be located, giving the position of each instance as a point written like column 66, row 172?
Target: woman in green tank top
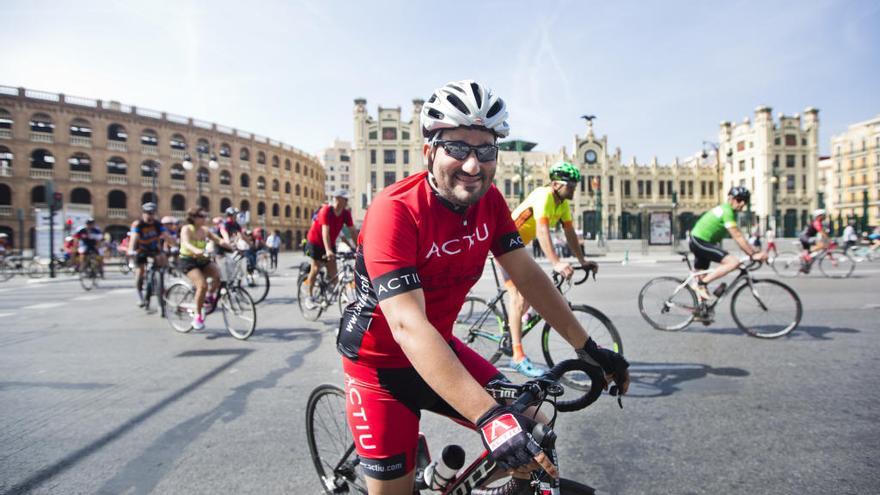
column 196, row 263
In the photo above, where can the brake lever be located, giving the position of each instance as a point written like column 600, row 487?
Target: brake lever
column 615, row 392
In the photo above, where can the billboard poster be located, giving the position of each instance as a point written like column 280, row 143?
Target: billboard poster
column 660, row 228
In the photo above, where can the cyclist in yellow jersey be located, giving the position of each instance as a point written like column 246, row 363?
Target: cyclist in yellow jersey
column 542, row 210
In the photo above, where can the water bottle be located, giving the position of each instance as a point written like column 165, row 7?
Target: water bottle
column 442, row 472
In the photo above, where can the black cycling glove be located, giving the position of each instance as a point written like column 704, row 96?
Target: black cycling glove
column 507, row 436
column 611, row 362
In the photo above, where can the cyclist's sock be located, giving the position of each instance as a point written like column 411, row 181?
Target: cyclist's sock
column 518, row 354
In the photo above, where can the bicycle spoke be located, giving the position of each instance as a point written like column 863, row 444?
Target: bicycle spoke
column 766, row 309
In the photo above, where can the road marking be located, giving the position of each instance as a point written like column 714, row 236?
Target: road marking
column 45, row 305
column 4, row 315
column 121, row 291
column 90, row 297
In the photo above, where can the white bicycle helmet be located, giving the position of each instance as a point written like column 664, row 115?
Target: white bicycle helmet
column 464, row 104
column 818, row 213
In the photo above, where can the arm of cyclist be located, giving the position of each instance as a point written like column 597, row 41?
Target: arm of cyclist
column 434, row 360
column 539, row 290
column 329, row 247
column 218, row 240
column 743, row 244
column 575, row 246
column 542, row 233
column 132, row 243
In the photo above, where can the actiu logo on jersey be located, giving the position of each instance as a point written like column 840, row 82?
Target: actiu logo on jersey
column 500, row 430
column 457, row 246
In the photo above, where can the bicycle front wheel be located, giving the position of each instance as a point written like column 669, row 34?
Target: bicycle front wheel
column 6, row 271
column 766, row 309
column 598, row 326
column 239, row 313
column 787, row 264
column 311, row 307
column 331, row 444
column 87, row 277
column 180, row 306
column 480, row 327
column 667, row 303
column 35, row 269
column 256, row 282
column 836, row 264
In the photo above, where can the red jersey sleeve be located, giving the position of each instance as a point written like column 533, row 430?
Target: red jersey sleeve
column 346, row 218
column 390, row 245
column 507, row 237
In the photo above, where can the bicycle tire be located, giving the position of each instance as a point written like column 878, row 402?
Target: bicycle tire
column 88, row 277
column 739, row 311
column 480, row 327
column 124, row 267
column 333, row 457
column 655, row 296
column 347, row 290
column 787, row 264
column 34, row 269
column 256, row 282
column 6, row 271
column 237, row 306
column 598, row 326
column 836, row 264
column 180, row 302
column 148, row 289
column 302, row 294
column 160, row 290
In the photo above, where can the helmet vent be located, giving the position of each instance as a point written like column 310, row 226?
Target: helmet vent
column 495, row 108
column 457, row 103
column 477, row 94
column 434, row 114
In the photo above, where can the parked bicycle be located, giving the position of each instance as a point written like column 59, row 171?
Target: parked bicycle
column 332, row 448
column 764, row 308
column 238, row 309
column 833, row 262
column 339, row 290
column 484, row 326
column 19, row 265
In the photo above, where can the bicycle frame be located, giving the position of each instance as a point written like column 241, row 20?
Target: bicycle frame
column 744, row 277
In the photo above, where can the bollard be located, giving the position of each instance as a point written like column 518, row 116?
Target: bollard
column 625, row 257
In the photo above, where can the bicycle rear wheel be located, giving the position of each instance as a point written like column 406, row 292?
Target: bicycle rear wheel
column 330, row 442
column 311, row 308
column 836, row 264
column 787, row 264
column 480, row 327
column 34, row 269
column 767, row 309
column 666, row 303
column 347, row 292
column 256, row 282
column 6, row 271
column 598, row 326
column 180, row 306
column 239, row 313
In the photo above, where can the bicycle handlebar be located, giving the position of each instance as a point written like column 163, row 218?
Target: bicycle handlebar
column 558, row 279
column 535, row 391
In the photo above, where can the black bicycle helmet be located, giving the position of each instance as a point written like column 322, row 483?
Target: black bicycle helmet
column 740, row 193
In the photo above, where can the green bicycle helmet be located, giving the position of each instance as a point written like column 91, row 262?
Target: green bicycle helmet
column 566, row 172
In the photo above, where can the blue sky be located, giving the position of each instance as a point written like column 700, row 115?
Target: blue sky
column 659, row 75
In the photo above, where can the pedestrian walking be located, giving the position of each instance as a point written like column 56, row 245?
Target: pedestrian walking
column 273, row 242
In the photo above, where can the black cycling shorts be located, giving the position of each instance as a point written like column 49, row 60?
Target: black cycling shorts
column 142, row 256
column 315, row 252
column 188, row 264
column 705, row 252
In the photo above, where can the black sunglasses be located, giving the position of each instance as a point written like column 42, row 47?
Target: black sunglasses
column 460, row 150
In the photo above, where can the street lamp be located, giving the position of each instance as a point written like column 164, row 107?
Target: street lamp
column 201, row 150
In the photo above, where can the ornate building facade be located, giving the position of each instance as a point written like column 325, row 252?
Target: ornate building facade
column 337, row 168
column 107, row 159
column 853, row 184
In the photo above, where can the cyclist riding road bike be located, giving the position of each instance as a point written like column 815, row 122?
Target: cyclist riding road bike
column 89, row 238
column 146, row 239
column 321, row 245
column 706, row 236
column 813, row 237
column 423, row 245
column 535, row 217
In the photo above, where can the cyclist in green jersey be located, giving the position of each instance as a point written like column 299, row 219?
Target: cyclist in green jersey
column 705, row 240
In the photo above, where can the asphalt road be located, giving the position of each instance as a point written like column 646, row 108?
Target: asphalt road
column 98, row 397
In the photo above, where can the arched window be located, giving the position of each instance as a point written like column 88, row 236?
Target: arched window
column 149, row 197
column 5, row 195
column 296, row 190
column 261, row 157
column 117, row 199
column 203, row 145
column 287, row 211
column 287, row 164
column 80, row 128
column 225, row 150
column 245, row 181
column 261, row 183
column 149, row 138
column 306, row 192
column 38, row 195
column 261, row 208
column 117, row 166
column 276, row 210
column 80, row 162
column 225, row 179
column 42, row 159
column 204, row 176
column 275, row 161
column 42, row 123
column 6, row 157
column 6, row 120
column 115, row 132
column 149, row 168
column 297, row 213
column 244, row 155
column 287, row 188
column 224, row 203
column 245, row 205
column 177, row 172
column 178, row 202
column 177, row 142
column 276, row 186
column 81, row 196
column 297, row 167
column 205, row 203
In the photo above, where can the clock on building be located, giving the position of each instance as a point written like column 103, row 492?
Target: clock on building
column 590, row 157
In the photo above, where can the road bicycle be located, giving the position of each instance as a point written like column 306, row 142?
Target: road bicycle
column 238, row 309
column 332, row 447
column 89, row 272
column 484, row 326
column 340, row 289
column 239, row 271
column 764, row 308
column 833, row 262
column 864, row 252
column 154, row 285
column 19, row 265
column 264, row 261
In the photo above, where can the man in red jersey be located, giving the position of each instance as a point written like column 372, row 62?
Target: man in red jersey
column 423, row 245
column 321, row 239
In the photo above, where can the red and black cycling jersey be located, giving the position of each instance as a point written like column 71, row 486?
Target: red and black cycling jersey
column 327, row 216
column 413, row 239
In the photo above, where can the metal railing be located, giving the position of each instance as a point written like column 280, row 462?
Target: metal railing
column 117, row 146
column 80, row 176
column 81, row 141
column 117, row 179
